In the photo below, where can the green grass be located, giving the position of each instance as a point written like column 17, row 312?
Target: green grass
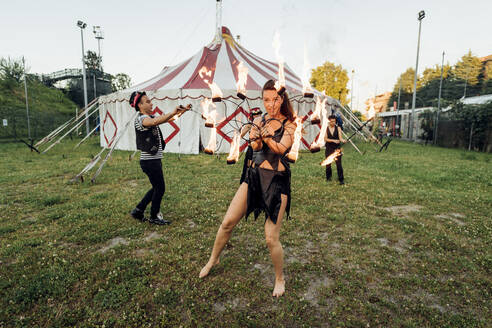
column 351, row 259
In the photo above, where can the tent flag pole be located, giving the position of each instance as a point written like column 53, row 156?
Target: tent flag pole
column 56, row 131
column 87, row 136
column 88, row 167
column 352, row 143
column 108, row 155
column 73, row 128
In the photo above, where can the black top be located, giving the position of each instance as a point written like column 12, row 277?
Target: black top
column 332, row 136
column 266, row 154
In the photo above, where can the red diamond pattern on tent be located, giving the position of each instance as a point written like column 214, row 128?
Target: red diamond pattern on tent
column 176, row 128
column 227, row 120
column 303, row 120
column 109, row 142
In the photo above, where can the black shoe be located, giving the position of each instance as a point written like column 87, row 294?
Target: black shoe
column 328, row 180
column 342, row 183
column 138, row 214
column 158, row 220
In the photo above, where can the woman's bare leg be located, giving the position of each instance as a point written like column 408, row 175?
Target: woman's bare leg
column 272, row 234
column 236, row 210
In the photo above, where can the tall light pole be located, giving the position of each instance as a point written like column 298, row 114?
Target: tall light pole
column 439, row 101
column 421, row 16
column 398, row 110
column 82, row 26
column 98, row 34
column 27, row 103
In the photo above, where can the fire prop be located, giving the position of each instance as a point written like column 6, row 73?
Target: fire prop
column 294, row 150
column 330, row 159
column 280, row 84
column 211, row 116
column 210, row 149
column 320, row 105
column 242, row 77
column 306, row 86
column 205, row 74
column 316, row 145
column 234, row 151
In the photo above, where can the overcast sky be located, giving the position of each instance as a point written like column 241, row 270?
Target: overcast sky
column 378, row 38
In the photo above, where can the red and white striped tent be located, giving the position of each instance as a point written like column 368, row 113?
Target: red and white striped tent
column 182, row 84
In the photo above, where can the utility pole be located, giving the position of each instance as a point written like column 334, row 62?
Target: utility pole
column 82, row 26
column 352, row 92
column 420, row 18
column 398, row 110
column 439, row 101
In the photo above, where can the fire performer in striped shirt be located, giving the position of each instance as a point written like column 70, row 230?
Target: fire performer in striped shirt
column 151, row 144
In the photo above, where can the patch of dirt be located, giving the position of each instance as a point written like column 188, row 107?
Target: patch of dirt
column 29, row 219
column 190, row 224
column 454, row 217
column 400, row 246
column 235, row 303
column 292, row 256
column 403, row 210
column 143, row 252
column 113, row 243
column 151, row 236
column 312, row 295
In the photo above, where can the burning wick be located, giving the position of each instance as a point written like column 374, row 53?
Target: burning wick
column 316, row 145
column 315, row 117
column 210, row 149
column 242, row 78
column 308, row 95
column 209, row 117
column 330, row 159
column 294, row 150
column 234, row 151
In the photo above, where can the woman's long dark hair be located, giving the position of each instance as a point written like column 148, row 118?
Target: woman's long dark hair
column 286, row 107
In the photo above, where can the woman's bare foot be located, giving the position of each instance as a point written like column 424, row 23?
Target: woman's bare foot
column 279, row 288
column 206, row 269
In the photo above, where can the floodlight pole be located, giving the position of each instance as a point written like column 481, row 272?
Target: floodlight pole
column 27, row 103
column 82, row 26
column 218, row 22
column 439, row 101
column 352, row 92
column 398, row 109
column 421, row 16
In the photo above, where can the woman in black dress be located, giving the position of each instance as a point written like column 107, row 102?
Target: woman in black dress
column 267, row 183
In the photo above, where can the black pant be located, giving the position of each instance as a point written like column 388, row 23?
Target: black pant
column 338, row 161
column 153, row 169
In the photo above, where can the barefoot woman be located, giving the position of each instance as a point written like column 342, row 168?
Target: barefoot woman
column 267, row 184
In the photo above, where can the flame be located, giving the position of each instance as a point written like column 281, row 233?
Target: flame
column 208, row 116
column 294, row 150
column 210, row 149
column 281, row 75
column 330, row 159
column 320, row 104
column 234, row 151
column 205, row 74
column 306, row 86
column 242, row 77
column 371, row 112
column 324, row 125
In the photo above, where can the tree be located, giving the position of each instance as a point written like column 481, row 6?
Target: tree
column 120, row 81
column 434, row 73
column 92, row 61
column 11, row 69
column 332, row 79
column 357, row 114
column 406, row 79
column 468, row 68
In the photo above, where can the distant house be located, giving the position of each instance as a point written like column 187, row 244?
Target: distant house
column 380, row 102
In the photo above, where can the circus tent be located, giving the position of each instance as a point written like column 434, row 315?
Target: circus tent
column 183, row 83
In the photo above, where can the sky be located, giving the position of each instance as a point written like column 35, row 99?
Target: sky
column 377, row 39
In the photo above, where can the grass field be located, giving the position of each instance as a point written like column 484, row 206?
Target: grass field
column 405, row 243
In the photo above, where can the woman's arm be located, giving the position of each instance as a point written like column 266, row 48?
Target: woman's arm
column 286, row 141
column 255, row 134
column 148, row 122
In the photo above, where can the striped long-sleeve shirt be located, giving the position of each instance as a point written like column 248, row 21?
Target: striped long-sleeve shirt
column 144, row 156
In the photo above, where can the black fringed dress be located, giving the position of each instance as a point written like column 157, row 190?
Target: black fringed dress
column 266, row 186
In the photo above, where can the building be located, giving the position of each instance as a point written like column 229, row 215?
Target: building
column 380, row 102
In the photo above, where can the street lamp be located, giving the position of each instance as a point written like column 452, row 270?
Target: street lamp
column 82, row 26
column 98, row 34
column 421, row 16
